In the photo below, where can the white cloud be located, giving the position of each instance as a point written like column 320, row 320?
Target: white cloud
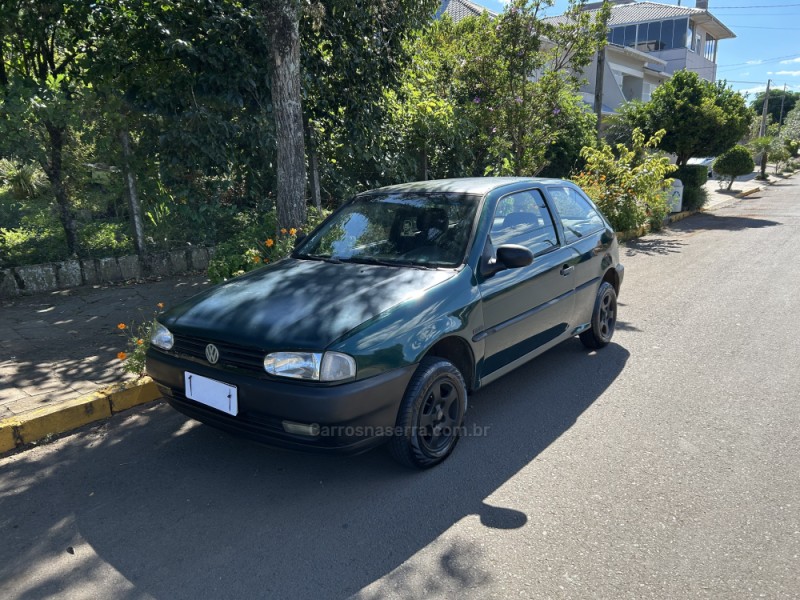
column 754, row 62
column 789, row 62
column 789, row 73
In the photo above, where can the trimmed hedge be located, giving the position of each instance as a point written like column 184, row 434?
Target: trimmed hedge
column 692, row 175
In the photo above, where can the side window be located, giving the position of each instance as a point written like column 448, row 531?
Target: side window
column 577, row 216
column 522, row 218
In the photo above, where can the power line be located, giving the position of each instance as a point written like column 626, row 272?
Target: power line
column 716, row 8
column 771, row 28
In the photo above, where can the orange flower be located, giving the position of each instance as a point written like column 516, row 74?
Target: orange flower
column 122, row 355
column 602, row 177
column 139, row 342
column 269, row 243
column 122, row 326
column 292, row 231
column 160, row 305
column 283, row 230
column 256, row 259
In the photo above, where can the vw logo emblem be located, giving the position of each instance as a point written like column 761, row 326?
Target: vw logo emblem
column 212, row 354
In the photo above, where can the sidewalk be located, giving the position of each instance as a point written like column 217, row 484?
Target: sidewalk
column 62, row 345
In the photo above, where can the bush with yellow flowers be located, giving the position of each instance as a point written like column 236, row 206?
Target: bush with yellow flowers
column 630, row 188
column 138, row 341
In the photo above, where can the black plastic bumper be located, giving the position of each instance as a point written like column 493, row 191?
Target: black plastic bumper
column 352, row 417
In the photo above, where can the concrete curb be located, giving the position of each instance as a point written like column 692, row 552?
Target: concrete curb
column 747, row 193
column 44, row 422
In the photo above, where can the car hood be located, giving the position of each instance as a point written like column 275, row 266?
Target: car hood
column 298, row 304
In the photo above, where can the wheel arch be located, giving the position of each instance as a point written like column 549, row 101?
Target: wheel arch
column 612, row 277
column 457, row 351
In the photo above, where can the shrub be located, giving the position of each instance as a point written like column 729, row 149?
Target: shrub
column 255, row 246
column 630, row 190
column 694, row 198
column 27, row 181
column 735, row 162
column 692, row 175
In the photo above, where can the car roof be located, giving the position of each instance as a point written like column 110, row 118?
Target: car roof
column 464, row 185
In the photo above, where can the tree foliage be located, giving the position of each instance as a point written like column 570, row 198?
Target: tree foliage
column 777, row 99
column 734, row 163
column 700, row 118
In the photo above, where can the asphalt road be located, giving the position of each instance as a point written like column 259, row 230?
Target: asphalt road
column 664, row 466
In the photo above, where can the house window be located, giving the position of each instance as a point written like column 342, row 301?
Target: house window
column 630, row 36
column 667, row 35
column 690, row 37
column 711, row 48
column 649, row 38
column 681, row 25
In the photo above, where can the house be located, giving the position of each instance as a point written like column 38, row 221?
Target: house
column 647, row 42
column 684, row 37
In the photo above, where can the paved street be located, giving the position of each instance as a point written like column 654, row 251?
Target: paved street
column 664, row 466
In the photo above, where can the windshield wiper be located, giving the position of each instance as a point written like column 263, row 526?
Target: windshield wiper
column 371, row 260
column 322, row 257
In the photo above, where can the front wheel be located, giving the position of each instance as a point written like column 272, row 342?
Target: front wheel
column 604, row 318
column 431, row 415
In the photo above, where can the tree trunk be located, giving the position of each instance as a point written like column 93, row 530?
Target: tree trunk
column 283, row 22
column 53, row 170
column 422, row 163
column 137, row 221
column 730, row 183
column 313, row 166
column 764, row 165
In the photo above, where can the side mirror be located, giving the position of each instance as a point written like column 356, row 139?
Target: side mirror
column 299, row 239
column 507, row 256
column 513, row 256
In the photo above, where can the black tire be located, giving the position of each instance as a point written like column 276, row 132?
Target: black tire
column 431, row 414
column 604, row 318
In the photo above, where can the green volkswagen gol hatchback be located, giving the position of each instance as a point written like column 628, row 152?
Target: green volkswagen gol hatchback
column 386, row 315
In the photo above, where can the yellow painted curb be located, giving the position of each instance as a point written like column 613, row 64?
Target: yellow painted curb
column 748, row 193
column 7, row 440
column 133, row 395
column 52, row 420
column 65, row 416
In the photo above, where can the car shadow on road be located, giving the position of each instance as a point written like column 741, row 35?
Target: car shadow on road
column 179, row 509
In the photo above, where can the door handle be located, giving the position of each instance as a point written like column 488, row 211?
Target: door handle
column 566, row 270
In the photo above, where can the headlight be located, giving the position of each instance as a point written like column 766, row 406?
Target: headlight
column 311, row 366
column 161, row 337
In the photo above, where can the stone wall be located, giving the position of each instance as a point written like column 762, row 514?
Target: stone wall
column 35, row 279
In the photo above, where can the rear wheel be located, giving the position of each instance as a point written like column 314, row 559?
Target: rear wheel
column 604, row 318
column 431, row 415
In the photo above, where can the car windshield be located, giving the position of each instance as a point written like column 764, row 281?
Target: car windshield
column 408, row 229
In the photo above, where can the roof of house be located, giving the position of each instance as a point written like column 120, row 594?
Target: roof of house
column 461, row 9
column 643, row 12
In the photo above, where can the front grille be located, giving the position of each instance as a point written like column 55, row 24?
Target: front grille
column 230, row 356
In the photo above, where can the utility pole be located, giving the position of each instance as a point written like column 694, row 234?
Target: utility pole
column 599, row 79
column 783, row 103
column 763, row 131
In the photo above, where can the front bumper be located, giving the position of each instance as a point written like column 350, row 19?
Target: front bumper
column 352, row 417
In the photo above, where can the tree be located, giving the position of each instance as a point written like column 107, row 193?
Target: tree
column 701, row 118
column 775, row 102
column 43, row 93
column 512, row 86
column 734, row 163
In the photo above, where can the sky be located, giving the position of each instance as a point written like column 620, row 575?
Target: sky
column 767, row 43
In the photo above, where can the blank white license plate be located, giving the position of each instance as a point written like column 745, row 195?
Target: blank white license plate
column 211, row 392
